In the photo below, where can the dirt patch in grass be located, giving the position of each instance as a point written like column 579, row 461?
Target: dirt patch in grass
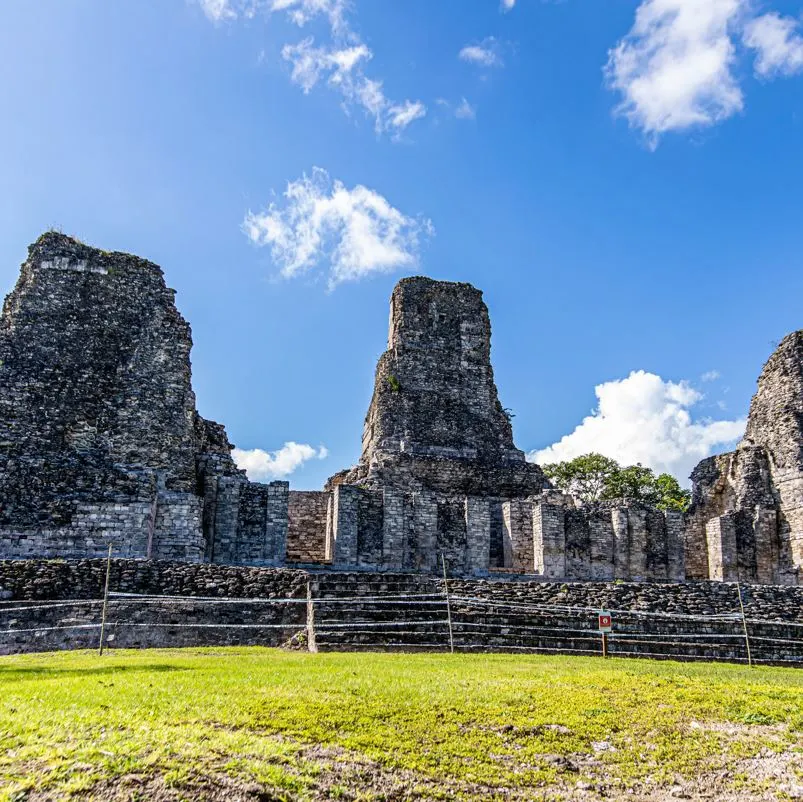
column 339, row 775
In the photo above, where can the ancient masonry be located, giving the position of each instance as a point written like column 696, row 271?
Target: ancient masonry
column 99, row 437
column 101, row 443
column 746, row 521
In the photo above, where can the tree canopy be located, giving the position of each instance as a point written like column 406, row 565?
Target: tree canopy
column 593, row 477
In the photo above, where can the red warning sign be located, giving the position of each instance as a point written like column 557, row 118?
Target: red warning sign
column 605, row 621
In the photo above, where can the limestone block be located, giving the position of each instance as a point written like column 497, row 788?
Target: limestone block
column 517, row 535
column 721, row 538
column 345, row 519
column 549, row 540
column 602, row 546
column 478, row 534
column 393, row 528
column 675, row 548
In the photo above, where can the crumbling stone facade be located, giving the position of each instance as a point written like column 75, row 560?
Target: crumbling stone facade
column 440, row 475
column 100, row 441
column 746, row 520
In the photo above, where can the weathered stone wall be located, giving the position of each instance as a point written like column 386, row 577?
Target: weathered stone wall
column 189, row 618
column 435, row 420
column 544, row 535
column 93, row 527
column 683, row 621
column 306, row 534
column 250, row 522
column 775, row 422
column 759, row 487
column 100, row 442
column 435, row 393
column 692, row 620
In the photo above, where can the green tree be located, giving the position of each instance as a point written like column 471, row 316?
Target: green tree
column 593, row 477
column 585, row 477
column 673, row 496
column 635, row 482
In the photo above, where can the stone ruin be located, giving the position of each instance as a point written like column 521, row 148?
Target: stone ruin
column 746, row 520
column 440, row 474
column 101, row 443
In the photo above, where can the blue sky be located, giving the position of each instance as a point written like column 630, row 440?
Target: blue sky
column 621, row 179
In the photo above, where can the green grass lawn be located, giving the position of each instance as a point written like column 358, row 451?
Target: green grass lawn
column 261, row 724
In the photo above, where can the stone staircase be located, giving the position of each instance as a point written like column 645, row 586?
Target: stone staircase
column 379, row 611
column 363, row 611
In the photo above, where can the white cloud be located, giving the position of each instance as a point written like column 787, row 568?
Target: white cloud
column 644, row 419
column 465, row 111
column 484, row 54
column 262, row 466
column 339, row 62
column 310, row 63
column 400, row 117
column 356, row 230
column 507, row 5
column 674, row 69
column 710, row 376
column 303, row 11
column 778, row 44
column 218, row 10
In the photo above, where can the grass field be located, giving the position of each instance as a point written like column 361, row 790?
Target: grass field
column 261, row 724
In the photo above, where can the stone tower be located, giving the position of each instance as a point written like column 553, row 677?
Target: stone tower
column 746, row 519
column 435, row 419
column 100, row 440
column 439, row 472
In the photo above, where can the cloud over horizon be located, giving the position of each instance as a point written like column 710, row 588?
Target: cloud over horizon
column 644, row 419
column 263, row 466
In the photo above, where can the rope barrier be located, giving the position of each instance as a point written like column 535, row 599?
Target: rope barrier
column 502, row 625
column 593, row 610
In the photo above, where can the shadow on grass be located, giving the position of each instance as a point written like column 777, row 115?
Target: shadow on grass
column 45, row 672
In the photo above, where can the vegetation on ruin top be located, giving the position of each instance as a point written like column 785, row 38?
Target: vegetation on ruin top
column 594, row 477
column 251, row 723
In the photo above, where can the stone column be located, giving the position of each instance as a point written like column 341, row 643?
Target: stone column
column 621, row 543
column 227, row 507
column 345, row 520
column 675, row 551
column 425, row 525
column 637, row 557
column 276, row 522
column 209, row 485
column 329, row 548
column 393, row 528
column 765, row 529
column 517, row 535
column 549, row 540
column 720, row 534
column 478, row 534
column 602, row 546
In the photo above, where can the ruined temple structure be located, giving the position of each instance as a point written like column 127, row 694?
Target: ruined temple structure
column 100, row 440
column 440, row 474
column 101, row 443
column 746, row 520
